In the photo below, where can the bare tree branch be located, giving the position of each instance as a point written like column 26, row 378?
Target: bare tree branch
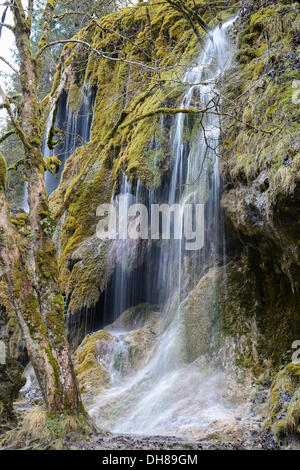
column 5, row 25
column 6, row 135
column 170, row 111
column 100, row 54
column 16, row 165
column 191, row 16
column 6, row 104
column 30, row 13
column 9, row 64
column 47, row 22
column 30, row 8
column 70, row 13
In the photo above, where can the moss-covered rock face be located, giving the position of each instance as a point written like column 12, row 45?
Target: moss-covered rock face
column 253, row 321
column 92, row 174
column 117, row 350
column 261, row 149
column 261, row 171
column 285, row 402
column 93, row 358
column 261, row 206
column 125, row 91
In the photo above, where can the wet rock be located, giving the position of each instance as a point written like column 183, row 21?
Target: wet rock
column 11, row 381
column 198, row 313
column 107, row 354
column 93, row 362
column 135, row 318
column 139, row 344
column 140, row 327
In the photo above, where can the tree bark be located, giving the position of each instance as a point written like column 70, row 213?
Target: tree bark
column 28, row 267
column 42, row 325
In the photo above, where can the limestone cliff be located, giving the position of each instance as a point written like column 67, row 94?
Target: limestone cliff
column 255, row 320
column 125, row 90
column 261, row 171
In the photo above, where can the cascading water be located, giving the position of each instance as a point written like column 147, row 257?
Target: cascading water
column 122, row 295
column 127, row 286
column 169, row 395
column 76, row 130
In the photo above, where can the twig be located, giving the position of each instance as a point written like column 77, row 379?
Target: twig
column 170, row 111
column 9, row 64
column 6, row 135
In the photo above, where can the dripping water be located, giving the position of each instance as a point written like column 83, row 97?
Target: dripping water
column 76, row 130
column 129, row 284
column 168, row 395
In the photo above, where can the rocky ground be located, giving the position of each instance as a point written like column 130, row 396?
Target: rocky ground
column 256, row 440
column 260, row 441
column 245, row 433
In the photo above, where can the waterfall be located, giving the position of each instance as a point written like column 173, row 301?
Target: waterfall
column 25, row 205
column 76, row 130
column 130, row 283
column 168, row 394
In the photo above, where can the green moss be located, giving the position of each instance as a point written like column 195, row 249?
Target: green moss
column 267, row 119
column 32, row 315
column 55, row 320
column 140, row 150
column 3, row 172
column 258, row 19
column 52, row 164
column 74, row 98
column 90, row 373
column 57, row 76
column 284, row 408
column 47, row 262
column 20, row 221
column 55, row 369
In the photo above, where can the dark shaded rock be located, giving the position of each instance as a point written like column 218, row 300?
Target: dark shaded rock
column 11, row 379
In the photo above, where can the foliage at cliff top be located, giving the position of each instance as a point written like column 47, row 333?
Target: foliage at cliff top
column 261, row 91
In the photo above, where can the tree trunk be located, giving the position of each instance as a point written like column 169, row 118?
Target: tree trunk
column 31, row 274
column 11, row 378
column 28, row 266
column 33, row 296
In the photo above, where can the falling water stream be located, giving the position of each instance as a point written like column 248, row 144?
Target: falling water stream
column 168, row 395
column 76, row 128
